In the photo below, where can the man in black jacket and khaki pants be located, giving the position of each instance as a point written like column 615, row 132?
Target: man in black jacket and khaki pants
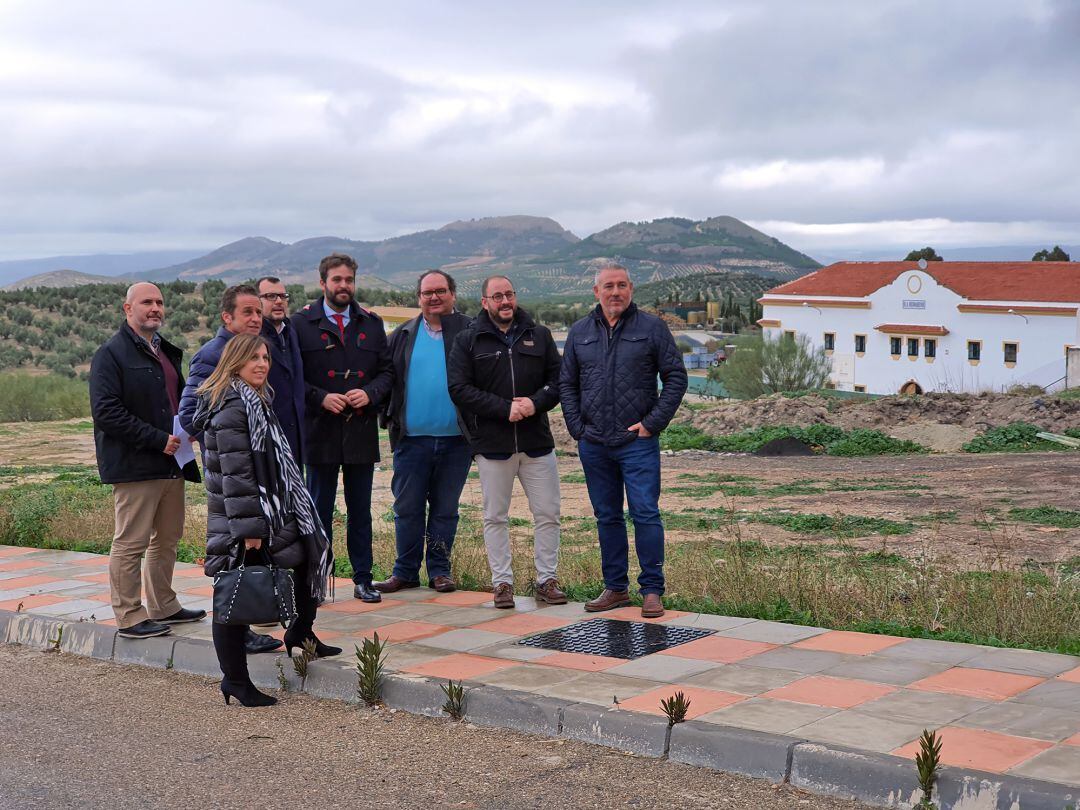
column 504, row 376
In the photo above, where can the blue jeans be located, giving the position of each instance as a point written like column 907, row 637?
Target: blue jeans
column 634, row 467
column 322, row 481
column 429, row 474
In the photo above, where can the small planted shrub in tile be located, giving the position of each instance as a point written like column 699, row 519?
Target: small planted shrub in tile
column 370, row 669
column 455, row 699
column 675, row 707
column 928, row 761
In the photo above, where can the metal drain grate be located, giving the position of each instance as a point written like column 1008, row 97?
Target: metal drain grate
column 614, row 638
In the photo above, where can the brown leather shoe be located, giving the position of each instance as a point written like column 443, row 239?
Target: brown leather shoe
column 394, row 584
column 443, row 584
column 651, row 606
column 608, row 600
column 504, row 595
column 550, row 592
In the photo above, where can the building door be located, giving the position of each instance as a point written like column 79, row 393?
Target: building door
column 911, row 387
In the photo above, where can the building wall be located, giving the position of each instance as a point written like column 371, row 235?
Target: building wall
column 916, row 298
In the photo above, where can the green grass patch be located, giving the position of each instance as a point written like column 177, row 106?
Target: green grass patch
column 827, row 438
column 1016, row 437
column 573, row 478
column 835, row 525
column 1048, row 516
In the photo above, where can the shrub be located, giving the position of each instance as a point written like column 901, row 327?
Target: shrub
column 1017, row 437
column 29, row 398
column 763, row 365
column 834, row 441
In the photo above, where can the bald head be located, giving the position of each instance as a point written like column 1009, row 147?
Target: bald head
column 144, row 308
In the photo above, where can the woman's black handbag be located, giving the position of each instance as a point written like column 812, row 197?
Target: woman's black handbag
column 254, row 594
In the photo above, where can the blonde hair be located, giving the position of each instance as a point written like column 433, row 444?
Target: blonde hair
column 238, row 351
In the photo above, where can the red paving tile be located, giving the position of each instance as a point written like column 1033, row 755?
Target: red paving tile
column 843, row 641
column 720, row 649
column 461, row 598
column 323, row 635
column 189, row 572
column 586, row 663
column 31, row 602
column 522, row 624
column 1073, row 676
column 15, row 551
column 977, row 683
column 406, row 631
column 350, row 605
column 633, row 614
column 22, row 565
column 92, row 561
column 461, row 666
column 702, row 701
column 26, row 582
column 204, row 590
column 102, row 577
column 982, row 750
column 1074, row 740
column 837, row 693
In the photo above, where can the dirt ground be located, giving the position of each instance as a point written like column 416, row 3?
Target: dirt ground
column 85, row 733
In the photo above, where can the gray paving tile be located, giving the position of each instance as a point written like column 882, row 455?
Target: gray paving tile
column 1052, row 695
column 412, row 611
column 1024, row 662
column 772, row 632
column 806, row 661
column 571, row 610
column 69, row 607
column 665, row 668
column 1058, row 764
column 513, row 652
column 528, row 677
column 93, row 615
column 352, row 623
column 923, row 707
column 762, row 714
column 46, row 587
column 744, row 680
column 864, row 731
column 598, row 688
column 399, row 656
column 1020, row 720
column 925, row 649
column 897, row 671
column 466, row 617
column 463, row 640
column 709, row 621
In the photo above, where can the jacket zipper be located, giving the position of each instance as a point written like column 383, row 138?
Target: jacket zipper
column 513, row 390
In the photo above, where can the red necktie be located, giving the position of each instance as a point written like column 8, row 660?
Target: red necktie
column 340, row 325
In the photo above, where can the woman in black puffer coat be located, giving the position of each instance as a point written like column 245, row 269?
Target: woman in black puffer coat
column 257, row 504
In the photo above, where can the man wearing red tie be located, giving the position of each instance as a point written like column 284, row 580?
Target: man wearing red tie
column 347, row 374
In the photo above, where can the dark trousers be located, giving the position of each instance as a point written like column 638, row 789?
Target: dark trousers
column 635, row 468
column 322, row 481
column 429, row 474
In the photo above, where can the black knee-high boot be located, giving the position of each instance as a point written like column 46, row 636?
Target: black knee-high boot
column 232, row 658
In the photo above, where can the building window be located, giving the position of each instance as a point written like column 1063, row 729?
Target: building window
column 830, row 341
column 860, row 344
column 912, row 347
column 860, row 389
column 894, row 346
column 789, row 334
column 1011, row 350
column 929, row 347
column 974, row 350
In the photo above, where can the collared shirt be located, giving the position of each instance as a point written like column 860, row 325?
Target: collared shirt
column 434, row 334
column 153, row 343
column 331, row 312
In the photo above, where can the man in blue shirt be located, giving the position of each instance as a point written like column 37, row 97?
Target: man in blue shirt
column 431, row 455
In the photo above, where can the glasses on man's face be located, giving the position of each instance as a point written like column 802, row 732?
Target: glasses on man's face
column 275, row 296
column 498, row 298
column 442, row 292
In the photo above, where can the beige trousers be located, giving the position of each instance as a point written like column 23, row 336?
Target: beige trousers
column 150, row 520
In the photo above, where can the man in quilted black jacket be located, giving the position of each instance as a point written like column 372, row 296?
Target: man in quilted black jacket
column 611, row 405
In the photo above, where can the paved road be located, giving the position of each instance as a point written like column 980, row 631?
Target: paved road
column 84, row 733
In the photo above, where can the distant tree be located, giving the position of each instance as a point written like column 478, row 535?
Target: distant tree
column 763, row 365
column 1055, row 255
column 927, row 253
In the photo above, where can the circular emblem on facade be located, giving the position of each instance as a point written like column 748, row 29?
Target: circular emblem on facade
column 914, row 283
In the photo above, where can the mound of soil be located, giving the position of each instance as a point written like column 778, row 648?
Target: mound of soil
column 787, row 446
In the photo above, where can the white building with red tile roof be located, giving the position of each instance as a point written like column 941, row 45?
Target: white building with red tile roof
column 911, row 327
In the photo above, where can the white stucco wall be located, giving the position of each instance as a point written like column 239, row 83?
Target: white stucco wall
column 916, row 298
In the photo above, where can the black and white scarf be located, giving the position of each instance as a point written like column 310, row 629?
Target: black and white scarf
column 282, row 493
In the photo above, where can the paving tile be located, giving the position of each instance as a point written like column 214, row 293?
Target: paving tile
column 461, row 598
column 572, row 610
column 357, row 606
column 708, row 621
column 13, row 565
column 399, row 656
column 102, row 560
column 927, row 649
column 702, row 701
column 352, row 622
column 413, row 610
column 201, row 590
column 982, row 750
column 465, row 616
column 1053, row 694
column 101, row 577
column 585, row 663
column 1024, row 662
column 404, row 631
column 523, row 624
column 598, row 688
column 29, row 582
column 662, row 668
column 515, row 652
column 460, row 667
column 189, row 573
column 838, row 693
column 633, row 614
column 863, row 731
column 772, row 632
column 14, row 551
column 1059, row 764
column 70, row 606
column 1073, row 740
column 29, row 602
column 896, row 671
column 773, row 716
column 923, row 707
column 977, row 683
column 1036, row 722
column 51, row 585
column 746, row 680
column 719, row 649
column 808, row 662
column 463, row 640
column 527, row 677
column 842, row 641
column 1072, row 676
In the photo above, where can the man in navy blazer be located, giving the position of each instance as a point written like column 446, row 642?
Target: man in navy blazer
column 286, row 364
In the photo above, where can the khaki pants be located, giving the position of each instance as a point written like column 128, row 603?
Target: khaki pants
column 150, row 519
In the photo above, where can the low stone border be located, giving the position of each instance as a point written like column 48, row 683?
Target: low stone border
column 876, row 779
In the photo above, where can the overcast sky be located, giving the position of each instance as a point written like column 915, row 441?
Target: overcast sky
column 130, row 126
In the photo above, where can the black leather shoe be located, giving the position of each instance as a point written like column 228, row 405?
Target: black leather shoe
column 255, row 644
column 184, row 615
column 366, row 593
column 147, row 628
column 394, row 584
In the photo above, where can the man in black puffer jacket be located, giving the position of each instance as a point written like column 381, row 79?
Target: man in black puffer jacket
column 608, row 386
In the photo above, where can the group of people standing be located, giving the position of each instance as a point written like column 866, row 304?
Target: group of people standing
column 271, row 398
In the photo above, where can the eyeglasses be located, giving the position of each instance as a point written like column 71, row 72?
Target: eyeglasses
column 275, row 296
column 442, row 292
column 498, row 298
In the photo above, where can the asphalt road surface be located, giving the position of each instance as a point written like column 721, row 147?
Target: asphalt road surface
column 75, row 732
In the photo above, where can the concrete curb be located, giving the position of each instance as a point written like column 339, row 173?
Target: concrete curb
column 876, row 779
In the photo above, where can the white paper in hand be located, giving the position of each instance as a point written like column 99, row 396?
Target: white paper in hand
column 186, row 454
